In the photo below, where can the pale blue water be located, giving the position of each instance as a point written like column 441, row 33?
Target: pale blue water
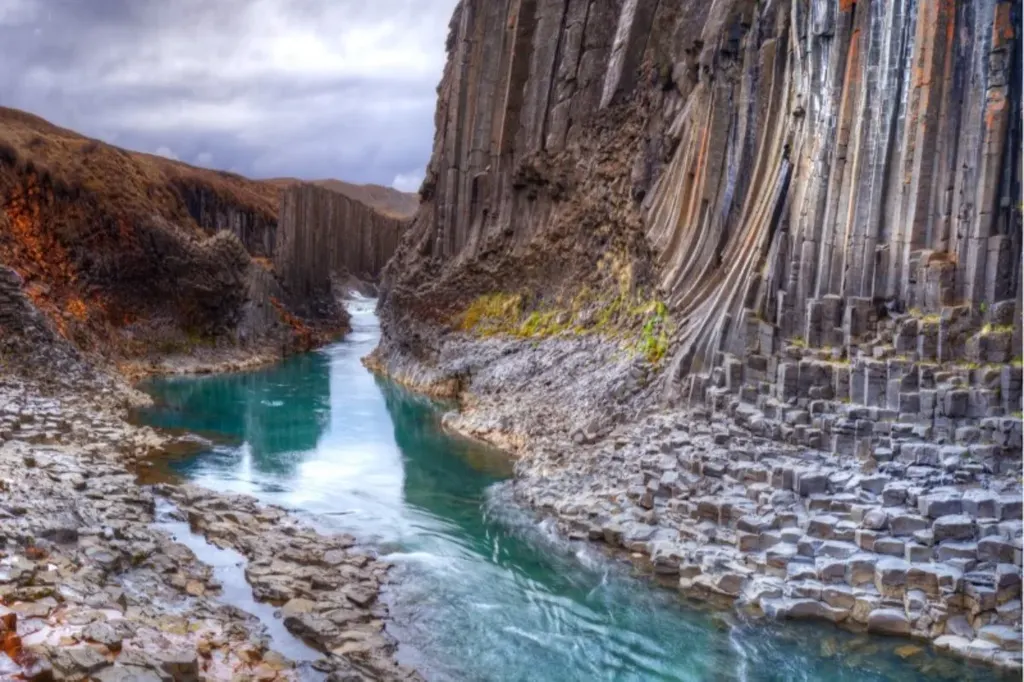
column 481, row 590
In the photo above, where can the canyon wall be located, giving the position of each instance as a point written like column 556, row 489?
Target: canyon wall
column 739, row 281
column 126, row 254
column 822, row 192
column 254, row 225
column 325, row 235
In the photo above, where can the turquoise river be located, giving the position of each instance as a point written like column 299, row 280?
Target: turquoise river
column 481, row 589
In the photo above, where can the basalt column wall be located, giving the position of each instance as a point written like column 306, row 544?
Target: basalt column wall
column 214, row 213
column 836, row 177
column 861, row 161
column 322, row 234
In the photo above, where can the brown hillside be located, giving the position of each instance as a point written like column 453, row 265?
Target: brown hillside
column 144, row 178
column 116, row 247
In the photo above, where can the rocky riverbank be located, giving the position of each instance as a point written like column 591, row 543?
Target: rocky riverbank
column 93, row 589
column 921, row 540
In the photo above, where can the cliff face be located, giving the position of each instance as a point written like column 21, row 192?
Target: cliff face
column 823, row 174
column 873, row 159
column 254, row 225
column 386, row 200
column 740, row 282
column 125, row 254
column 324, row 235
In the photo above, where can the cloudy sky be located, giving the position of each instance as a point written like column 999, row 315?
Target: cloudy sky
column 266, row 88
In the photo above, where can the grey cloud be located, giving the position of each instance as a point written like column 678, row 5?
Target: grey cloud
column 307, row 88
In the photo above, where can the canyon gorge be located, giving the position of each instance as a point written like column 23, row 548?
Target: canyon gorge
column 741, row 284
column 736, row 284
column 130, row 255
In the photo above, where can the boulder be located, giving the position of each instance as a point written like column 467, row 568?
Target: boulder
column 888, row 622
column 953, row 527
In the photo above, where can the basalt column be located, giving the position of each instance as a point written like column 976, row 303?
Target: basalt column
column 813, row 177
column 323, row 234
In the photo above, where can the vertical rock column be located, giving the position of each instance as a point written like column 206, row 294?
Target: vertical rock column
column 322, row 233
column 865, row 151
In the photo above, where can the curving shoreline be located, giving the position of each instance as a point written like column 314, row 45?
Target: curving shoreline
column 736, row 518
column 93, row 589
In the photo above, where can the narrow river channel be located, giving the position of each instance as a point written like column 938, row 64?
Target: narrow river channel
column 482, row 591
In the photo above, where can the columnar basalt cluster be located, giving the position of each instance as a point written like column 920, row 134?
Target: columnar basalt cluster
column 862, row 200
column 808, row 170
column 928, row 545
column 323, row 233
column 215, row 212
column 828, row 190
column 825, row 197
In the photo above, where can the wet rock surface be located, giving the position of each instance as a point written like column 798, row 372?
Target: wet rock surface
column 327, row 589
column 91, row 589
column 794, row 533
column 898, row 545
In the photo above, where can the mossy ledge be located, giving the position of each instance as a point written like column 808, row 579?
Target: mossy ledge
column 640, row 324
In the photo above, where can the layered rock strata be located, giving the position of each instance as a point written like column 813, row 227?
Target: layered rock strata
column 823, row 197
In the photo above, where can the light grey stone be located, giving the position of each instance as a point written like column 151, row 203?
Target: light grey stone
column 888, row 622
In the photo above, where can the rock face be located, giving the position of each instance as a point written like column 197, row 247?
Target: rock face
column 131, row 255
column 324, row 234
column 874, row 164
column 821, row 192
column 798, row 162
column 22, row 327
column 387, row 200
column 255, row 227
column 108, row 250
column 800, row 219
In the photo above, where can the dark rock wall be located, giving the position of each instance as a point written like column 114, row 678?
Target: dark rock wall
column 255, row 228
column 22, row 327
column 324, row 234
column 799, row 170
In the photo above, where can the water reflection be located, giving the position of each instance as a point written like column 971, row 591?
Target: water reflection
column 481, row 591
column 277, row 413
column 439, row 469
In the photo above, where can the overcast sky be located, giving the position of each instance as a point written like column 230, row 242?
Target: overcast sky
column 266, row 88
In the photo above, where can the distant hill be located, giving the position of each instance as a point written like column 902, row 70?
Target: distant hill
column 386, row 200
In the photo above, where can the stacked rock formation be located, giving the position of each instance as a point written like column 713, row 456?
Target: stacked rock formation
column 828, row 191
column 926, row 545
column 808, row 169
column 212, row 211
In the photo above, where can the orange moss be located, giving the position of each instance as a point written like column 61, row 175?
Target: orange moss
column 76, row 308
column 304, row 337
column 263, row 262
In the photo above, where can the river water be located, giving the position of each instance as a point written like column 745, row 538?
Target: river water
column 481, row 591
